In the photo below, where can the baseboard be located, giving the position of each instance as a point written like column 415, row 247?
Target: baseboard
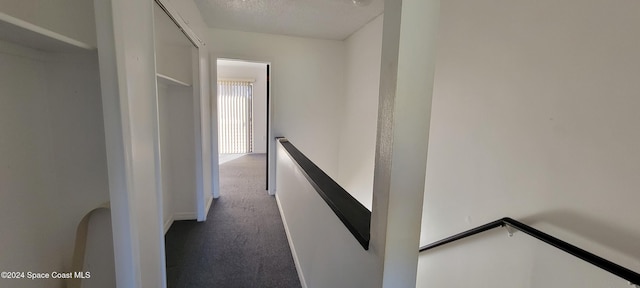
column 185, row 216
column 177, row 217
column 167, row 224
column 208, row 206
column 303, row 282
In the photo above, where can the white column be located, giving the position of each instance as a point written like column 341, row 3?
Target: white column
column 128, row 83
column 202, row 69
column 213, row 90
column 406, row 86
column 200, row 131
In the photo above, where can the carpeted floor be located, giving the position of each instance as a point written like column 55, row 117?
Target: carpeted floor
column 241, row 245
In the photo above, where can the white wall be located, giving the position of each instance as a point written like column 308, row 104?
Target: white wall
column 127, row 74
column 326, row 253
column 182, row 151
column 72, row 18
column 73, row 92
column 258, row 72
column 99, row 259
column 188, row 11
column 307, row 87
column 28, row 167
column 359, row 125
column 54, row 167
column 128, row 84
column 177, row 152
column 175, row 62
column 535, row 117
column 173, row 49
column 165, row 144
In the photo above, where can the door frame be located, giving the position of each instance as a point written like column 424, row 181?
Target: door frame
column 270, row 172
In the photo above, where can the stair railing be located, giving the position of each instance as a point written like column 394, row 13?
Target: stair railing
column 513, row 225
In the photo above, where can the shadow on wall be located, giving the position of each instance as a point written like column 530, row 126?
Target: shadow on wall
column 605, row 234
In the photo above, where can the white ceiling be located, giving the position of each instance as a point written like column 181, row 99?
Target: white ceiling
column 324, row 19
column 239, row 63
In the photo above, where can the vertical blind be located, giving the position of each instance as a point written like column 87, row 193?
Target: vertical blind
column 235, row 117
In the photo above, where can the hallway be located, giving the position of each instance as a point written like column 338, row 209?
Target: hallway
column 242, row 243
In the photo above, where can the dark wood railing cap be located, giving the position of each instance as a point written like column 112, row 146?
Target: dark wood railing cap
column 352, row 213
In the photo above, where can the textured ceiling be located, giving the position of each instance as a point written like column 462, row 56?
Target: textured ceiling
column 324, row 19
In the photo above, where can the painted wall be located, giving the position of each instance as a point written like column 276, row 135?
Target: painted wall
column 325, row 253
column 191, row 14
column 258, row 72
column 304, row 105
column 177, row 148
column 73, row 89
column 360, row 114
column 128, row 84
column 99, row 259
column 173, row 49
column 534, row 117
column 130, row 128
column 175, row 61
column 188, row 11
column 165, row 157
column 54, row 165
column 72, row 18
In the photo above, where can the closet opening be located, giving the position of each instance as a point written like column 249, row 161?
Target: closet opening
column 185, row 159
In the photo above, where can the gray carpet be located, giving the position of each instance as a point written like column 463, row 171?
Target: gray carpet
column 241, row 245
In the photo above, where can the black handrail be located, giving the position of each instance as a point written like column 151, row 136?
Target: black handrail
column 352, row 213
column 613, row 268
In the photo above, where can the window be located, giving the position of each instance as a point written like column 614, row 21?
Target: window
column 235, row 117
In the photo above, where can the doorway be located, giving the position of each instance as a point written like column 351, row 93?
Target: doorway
column 243, row 108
